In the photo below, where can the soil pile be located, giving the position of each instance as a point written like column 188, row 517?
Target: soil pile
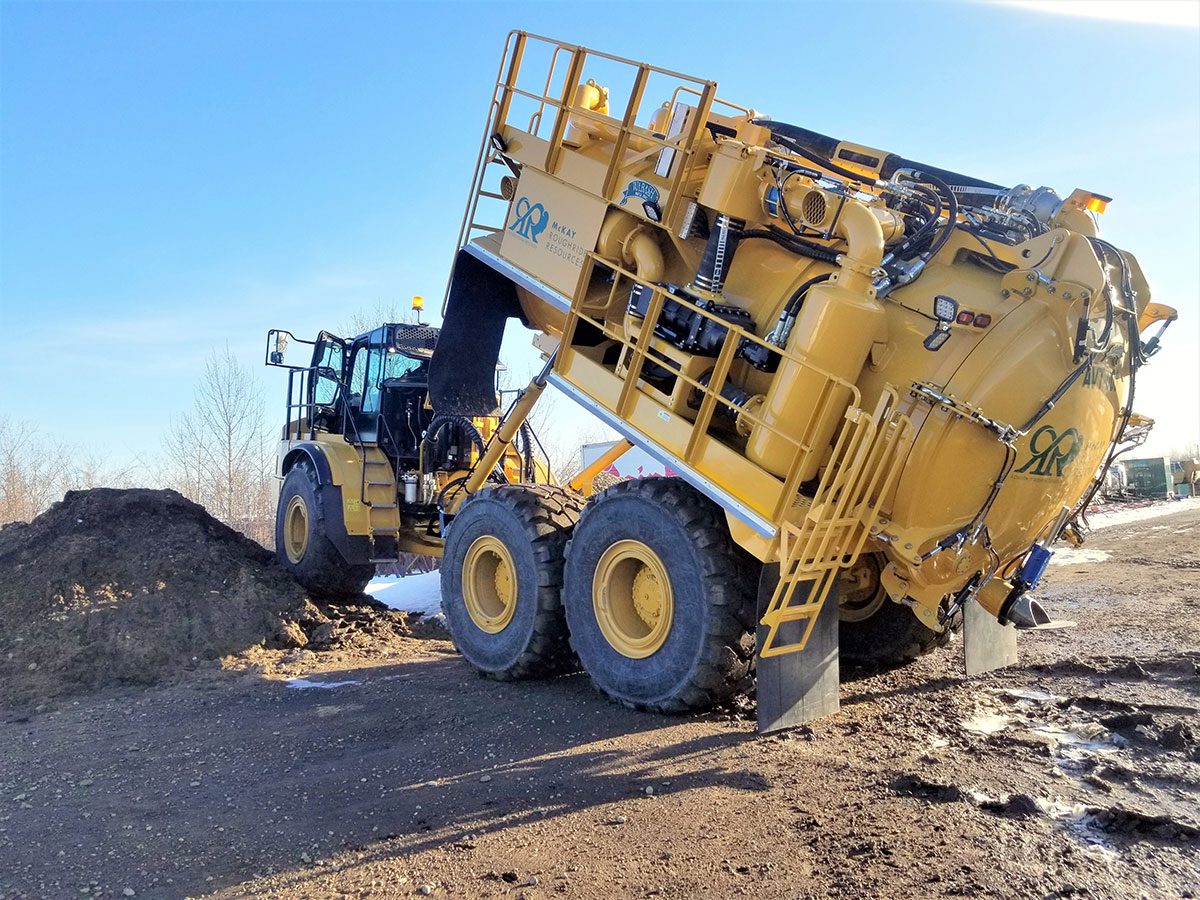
column 127, row 586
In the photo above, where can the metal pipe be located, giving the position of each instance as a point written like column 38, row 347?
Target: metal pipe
column 582, row 482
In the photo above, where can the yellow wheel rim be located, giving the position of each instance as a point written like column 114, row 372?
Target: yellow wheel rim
column 295, row 529
column 489, row 584
column 860, row 593
column 631, row 595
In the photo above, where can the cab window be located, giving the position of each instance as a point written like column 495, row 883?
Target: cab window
column 329, row 371
column 358, row 376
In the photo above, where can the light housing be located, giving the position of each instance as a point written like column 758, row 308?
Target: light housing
column 944, row 308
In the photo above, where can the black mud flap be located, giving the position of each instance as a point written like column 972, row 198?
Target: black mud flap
column 987, row 644
column 797, row 687
column 462, row 375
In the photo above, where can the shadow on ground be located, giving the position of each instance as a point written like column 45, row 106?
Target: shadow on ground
column 185, row 790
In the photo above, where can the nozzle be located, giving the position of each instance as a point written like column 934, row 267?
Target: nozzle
column 1025, row 612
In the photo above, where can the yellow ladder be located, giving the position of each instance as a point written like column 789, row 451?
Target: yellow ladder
column 379, row 495
column 838, row 519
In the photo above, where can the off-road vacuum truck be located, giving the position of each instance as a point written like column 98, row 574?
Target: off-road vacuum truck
column 885, row 388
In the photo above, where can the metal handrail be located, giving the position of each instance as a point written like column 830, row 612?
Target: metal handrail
column 644, row 344
column 505, row 89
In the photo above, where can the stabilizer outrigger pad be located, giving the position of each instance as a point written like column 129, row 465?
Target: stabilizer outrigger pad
column 795, row 688
column 987, row 644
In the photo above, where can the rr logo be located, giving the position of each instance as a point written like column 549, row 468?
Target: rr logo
column 1050, row 452
column 531, row 221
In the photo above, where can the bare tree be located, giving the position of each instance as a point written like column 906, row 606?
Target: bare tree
column 36, row 470
column 369, row 318
column 218, row 453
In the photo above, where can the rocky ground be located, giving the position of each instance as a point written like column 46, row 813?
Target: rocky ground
column 395, row 771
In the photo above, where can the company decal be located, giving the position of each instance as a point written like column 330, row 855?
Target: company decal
column 642, row 190
column 531, row 220
column 1051, row 451
column 1099, row 377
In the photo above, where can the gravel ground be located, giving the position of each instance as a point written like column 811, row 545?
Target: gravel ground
column 1075, row 773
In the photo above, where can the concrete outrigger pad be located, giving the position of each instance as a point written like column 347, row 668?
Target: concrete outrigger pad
column 795, row 688
column 987, row 644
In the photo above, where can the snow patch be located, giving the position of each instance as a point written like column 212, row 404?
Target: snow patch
column 987, row 723
column 303, row 684
column 1071, row 556
column 410, row 593
column 1111, row 517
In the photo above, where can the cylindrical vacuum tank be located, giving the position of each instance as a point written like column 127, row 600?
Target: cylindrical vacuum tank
column 833, row 332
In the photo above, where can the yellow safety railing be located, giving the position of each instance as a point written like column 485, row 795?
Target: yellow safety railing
column 573, row 61
column 641, row 346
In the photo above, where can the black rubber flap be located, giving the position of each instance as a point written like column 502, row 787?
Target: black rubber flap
column 797, row 687
column 462, row 375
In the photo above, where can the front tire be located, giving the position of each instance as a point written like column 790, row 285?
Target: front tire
column 302, row 546
column 659, row 599
column 502, row 580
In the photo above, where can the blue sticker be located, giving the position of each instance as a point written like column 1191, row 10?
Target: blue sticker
column 643, row 190
column 531, row 221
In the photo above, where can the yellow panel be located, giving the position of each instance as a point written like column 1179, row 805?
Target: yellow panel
column 550, row 229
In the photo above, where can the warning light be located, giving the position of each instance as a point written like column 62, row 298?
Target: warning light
column 1097, row 205
column 418, row 303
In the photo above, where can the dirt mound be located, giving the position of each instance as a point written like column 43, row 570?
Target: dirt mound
column 127, row 586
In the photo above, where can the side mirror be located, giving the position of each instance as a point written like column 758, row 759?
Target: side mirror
column 276, row 356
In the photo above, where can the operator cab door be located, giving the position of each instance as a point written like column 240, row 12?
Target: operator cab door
column 325, row 400
column 362, row 406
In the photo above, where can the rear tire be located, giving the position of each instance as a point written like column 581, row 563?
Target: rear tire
column 302, row 546
column 654, row 551
column 874, row 630
column 502, row 580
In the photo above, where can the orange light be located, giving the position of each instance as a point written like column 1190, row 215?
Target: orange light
column 1097, row 205
column 418, row 303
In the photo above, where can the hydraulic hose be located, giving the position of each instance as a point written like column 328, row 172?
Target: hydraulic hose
column 793, row 243
column 794, row 302
column 441, row 423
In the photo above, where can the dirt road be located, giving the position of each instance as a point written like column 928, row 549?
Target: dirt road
column 1076, row 773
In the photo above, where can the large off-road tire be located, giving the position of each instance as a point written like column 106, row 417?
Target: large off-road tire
column 302, row 545
column 502, row 580
column 659, row 599
column 874, row 630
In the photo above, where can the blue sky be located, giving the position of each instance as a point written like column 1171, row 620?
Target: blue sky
column 178, row 176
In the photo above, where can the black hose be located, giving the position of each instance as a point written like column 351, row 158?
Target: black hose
column 819, row 160
column 792, row 307
column 914, row 240
column 440, row 423
column 952, row 211
column 793, row 243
